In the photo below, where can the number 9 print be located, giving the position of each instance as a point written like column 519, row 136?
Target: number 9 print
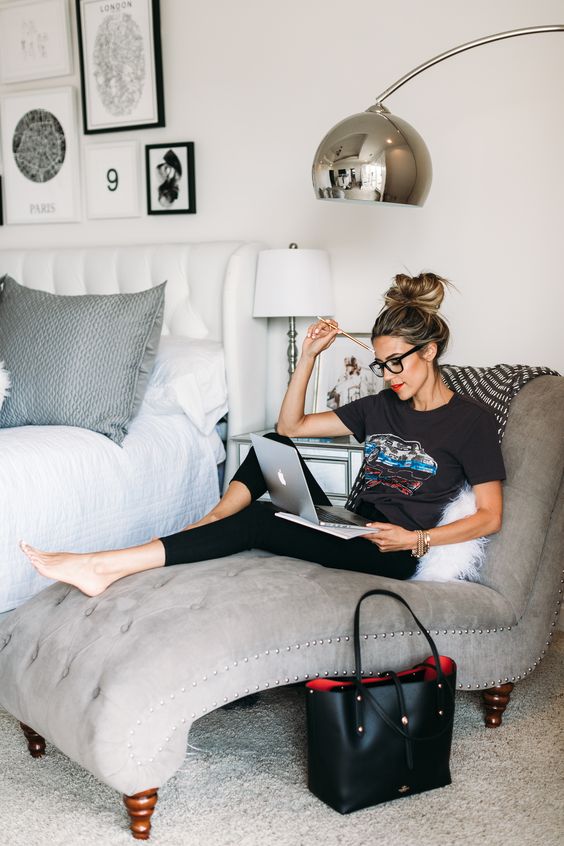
column 113, row 179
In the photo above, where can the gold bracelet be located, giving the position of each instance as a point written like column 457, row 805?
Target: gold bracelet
column 422, row 544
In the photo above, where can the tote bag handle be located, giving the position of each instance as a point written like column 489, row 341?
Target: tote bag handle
column 424, row 632
column 360, row 697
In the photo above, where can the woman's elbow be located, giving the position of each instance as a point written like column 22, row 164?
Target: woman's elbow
column 290, row 430
column 494, row 523
column 281, row 429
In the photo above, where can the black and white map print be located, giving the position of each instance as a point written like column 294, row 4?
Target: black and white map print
column 118, row 63
column 39, row 145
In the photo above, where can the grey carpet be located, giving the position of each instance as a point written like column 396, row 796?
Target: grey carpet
column 248, row 785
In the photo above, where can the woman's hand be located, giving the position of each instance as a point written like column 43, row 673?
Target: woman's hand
column 319, row 337
column 391, row 538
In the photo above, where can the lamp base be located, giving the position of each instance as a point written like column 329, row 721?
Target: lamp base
column 292, row 348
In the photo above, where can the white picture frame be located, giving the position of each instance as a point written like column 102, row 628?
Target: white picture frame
column 111, row 175
column 343, row 374
column 121, row 64
column 40, row 152
column 35, row 40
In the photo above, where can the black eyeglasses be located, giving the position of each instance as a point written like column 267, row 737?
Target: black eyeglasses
column 394, row 365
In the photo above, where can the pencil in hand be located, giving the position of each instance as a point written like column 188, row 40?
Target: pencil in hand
column 346, row 334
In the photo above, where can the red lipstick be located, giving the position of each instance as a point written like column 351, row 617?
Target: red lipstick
column 398, row 387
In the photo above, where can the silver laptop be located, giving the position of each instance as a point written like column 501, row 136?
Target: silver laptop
column 287, row 486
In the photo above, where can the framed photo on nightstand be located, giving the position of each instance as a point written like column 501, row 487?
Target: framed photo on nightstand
column 343, row 374
column 112, row 179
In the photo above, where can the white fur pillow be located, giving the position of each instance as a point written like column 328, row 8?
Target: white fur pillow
column 4, row 382
column 454, row 560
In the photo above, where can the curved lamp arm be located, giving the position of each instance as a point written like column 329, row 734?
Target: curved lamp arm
column 377, row 157
column 512, row 33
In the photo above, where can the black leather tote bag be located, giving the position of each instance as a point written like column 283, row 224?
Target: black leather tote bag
column 371, row 740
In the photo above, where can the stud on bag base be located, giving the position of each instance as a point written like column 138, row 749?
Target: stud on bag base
column 377, row 739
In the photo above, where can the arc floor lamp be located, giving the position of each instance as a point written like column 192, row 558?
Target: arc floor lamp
column 377, row 157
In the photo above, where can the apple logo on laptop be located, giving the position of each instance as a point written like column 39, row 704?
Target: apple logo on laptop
column 281, row 478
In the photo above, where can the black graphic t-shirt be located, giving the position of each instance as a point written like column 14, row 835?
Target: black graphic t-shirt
column 417, row 461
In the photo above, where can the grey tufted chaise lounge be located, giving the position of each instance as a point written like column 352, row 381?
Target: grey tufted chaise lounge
column 116, row 681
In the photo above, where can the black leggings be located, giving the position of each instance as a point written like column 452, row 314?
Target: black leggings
column 257, row 527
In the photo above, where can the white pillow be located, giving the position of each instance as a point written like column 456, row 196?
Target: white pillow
column 187, row 323
column 188, row 377
column 4, row 382
column 454, row 560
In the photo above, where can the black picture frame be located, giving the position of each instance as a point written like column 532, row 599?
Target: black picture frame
column 170, row 178
column 129, row 102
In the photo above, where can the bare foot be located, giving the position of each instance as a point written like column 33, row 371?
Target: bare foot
column 93, row 572
column 69, row 567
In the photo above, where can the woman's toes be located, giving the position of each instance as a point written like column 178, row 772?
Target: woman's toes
column 26, row 549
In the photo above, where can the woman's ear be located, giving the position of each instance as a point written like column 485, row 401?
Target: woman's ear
column 430, row 351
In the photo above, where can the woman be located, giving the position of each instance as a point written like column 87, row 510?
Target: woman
column 423, row 442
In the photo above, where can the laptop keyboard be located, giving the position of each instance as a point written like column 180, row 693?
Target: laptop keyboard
column 328, row 517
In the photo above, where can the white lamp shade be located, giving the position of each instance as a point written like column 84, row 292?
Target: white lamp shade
column 293, row 283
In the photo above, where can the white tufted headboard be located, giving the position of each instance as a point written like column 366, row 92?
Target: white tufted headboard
column 209, row 293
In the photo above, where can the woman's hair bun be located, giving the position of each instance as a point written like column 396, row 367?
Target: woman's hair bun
column 425, row 292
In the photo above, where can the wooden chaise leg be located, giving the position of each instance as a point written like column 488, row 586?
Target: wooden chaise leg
column 496, row 700
column 140, row 808
column 35, row 743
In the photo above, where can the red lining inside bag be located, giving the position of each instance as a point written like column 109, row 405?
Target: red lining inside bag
column 429, row 674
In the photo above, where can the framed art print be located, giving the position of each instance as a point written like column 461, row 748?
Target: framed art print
column 171, row 187
column 34, row 40
column 120, row 64
column 112, row 179
column 40, row 156
column 343, row 374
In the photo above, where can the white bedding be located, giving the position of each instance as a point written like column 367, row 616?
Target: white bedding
column 163, row 477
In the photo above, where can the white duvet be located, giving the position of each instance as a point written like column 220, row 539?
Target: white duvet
column 64, row 488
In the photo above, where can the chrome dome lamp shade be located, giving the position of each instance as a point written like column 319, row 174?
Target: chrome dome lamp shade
column 376, row 157
column 373, row 157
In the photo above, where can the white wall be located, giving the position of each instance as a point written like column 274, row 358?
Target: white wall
column 256, row 84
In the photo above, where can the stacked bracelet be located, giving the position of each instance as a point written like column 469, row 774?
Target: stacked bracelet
column 422, row 544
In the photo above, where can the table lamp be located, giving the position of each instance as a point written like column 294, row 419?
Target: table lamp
column 293, row 283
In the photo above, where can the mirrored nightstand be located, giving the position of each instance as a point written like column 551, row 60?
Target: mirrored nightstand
column 334, row 462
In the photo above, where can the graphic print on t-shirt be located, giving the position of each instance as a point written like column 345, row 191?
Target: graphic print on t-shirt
column 395, row 463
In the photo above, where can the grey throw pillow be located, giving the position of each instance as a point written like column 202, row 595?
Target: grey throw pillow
column 77, row 360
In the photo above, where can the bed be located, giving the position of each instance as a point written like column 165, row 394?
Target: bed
column 66, row 486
